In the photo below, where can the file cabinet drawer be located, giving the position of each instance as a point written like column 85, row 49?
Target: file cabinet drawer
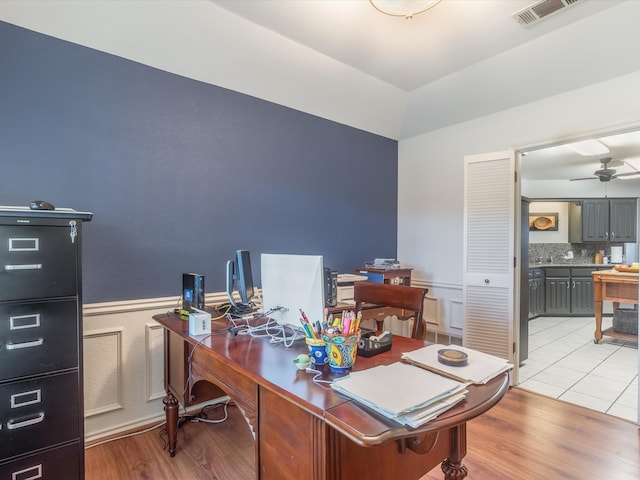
column 38, row 337
column 37, row 262
column 38, row 412
column 56, row 464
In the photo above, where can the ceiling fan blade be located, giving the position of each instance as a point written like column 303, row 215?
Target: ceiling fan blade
column 583, row 178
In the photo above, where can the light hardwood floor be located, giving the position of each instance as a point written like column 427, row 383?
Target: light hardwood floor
column 525, row 437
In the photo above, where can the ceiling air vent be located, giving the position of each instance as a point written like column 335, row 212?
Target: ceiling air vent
column 539, row 10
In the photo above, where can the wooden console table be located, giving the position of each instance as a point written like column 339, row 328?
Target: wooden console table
column 394, row 276
column 307, row 430
column 616, row 287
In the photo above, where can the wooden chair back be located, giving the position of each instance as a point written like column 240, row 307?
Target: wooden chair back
column 407, row 298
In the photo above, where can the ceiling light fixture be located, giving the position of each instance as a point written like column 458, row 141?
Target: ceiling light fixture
column 588, row 148
column 403, row 8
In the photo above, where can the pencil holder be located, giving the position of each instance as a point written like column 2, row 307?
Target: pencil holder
column 317, row 350
column 341, row 350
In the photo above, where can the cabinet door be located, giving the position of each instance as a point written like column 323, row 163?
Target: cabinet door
column 532, row 298
column 539, row 305
column 622, row 220
column 557, row 295
column 595, row 220
column 582, row 295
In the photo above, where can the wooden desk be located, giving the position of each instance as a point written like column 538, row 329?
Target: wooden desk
column 616, row 287
column 306, row 430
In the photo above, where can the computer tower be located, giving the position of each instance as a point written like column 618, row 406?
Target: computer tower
column 192, row 291
column 330, row 287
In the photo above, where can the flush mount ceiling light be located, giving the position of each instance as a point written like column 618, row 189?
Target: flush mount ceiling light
column 588, row 148
column 403, row 8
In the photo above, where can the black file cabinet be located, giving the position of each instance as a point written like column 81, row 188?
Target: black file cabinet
column 41, row 394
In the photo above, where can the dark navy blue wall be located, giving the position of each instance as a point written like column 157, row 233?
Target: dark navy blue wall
column 179, row 174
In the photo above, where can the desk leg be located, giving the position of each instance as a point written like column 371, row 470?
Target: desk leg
column 453, row 467
column 597, row 306
column 171, row 415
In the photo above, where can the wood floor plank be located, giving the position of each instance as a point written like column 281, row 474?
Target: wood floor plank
column 531, row 437
column 525, row 437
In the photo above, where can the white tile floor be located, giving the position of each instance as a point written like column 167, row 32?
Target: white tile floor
column 565, row 363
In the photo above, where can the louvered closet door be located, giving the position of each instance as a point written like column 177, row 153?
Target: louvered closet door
column 488, row 259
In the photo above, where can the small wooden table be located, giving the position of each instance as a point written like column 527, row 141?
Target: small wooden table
column 616, row 287
column 394, row 276
column 307, row 430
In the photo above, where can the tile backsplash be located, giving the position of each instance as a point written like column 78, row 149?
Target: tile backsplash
column 557, row 252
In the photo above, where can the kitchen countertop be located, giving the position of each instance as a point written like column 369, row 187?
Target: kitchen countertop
column 570, row 265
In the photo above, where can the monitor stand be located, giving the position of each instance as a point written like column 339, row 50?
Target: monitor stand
column 239, row 309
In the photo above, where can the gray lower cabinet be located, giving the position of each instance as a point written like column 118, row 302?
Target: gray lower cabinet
column 536, row 292
column 557, row 289
column 582, row 291
column 569, row 291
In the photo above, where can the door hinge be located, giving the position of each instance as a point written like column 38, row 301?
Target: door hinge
column 514, row 347
column 515, row 177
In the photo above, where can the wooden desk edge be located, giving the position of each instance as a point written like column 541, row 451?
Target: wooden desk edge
column 446, row 420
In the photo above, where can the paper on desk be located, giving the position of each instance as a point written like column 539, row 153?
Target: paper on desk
column 426, row 414
column 480, row 368
column 398, row 389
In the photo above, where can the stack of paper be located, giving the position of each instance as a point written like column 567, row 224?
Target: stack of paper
column 409, row 395
column 480, row 367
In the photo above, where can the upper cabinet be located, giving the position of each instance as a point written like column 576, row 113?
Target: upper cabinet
column 607, row 220
column 622, row 220
column 595, row 220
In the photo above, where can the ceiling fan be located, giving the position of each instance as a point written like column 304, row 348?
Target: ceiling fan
column 606, row 174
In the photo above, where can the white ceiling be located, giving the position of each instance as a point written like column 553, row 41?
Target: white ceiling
column 413, row 53
column 407, row 53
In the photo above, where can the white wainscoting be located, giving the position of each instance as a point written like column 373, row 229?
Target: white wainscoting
column 442, row 311
column 124, row 364
column 124, row 355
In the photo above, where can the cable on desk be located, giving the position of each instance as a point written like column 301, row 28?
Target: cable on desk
column 316, row 377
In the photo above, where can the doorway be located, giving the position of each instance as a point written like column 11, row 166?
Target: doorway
column 562, row 359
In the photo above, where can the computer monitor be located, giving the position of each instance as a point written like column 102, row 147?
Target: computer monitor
column 293, row 282
column 240, row 279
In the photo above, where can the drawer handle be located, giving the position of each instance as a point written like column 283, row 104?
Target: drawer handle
column 33, row 266
column 14, row 424
column 33, row 343
column 35, row 472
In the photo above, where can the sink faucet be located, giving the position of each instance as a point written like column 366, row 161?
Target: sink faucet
column 550, row 258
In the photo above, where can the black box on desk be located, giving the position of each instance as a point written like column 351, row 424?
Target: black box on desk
column 330, row 287
column 370, row 345
column 192, row 291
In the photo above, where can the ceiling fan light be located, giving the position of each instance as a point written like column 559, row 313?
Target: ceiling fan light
column 403, row 8
column 588, row 148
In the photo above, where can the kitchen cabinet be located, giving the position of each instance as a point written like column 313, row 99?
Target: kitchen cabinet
column 557, row 291
column 582, row 291
column 622, row 219
column 569, row 290
column 536, row 292
column 595, row 220
column 609, row 220
column 41, row 415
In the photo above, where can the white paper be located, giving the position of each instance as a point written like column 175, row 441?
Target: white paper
column 397, row 388
column 480, row 367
